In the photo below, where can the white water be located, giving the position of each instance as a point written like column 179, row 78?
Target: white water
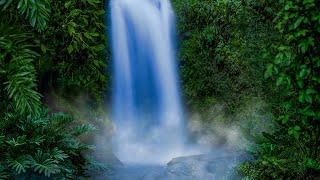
column 146, row 104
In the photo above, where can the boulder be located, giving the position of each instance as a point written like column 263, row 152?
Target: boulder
column 200, row 167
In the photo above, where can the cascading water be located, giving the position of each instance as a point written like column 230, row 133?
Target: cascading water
column 146, row 104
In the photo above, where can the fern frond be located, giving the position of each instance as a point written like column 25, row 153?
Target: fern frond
column 75, row 146
column 58, row 154
column 21, row 82
column 42, row 163
column 19, row 165
column 60, row 119
column 4, row 174
column 37, row 122
column 36, row 12
column 83, row 129
column 19, row 141
column 37, row 140
column 19, row 74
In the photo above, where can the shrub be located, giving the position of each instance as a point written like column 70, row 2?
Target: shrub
column 292, row 152
column 222, row 50
column 42, row 145
column 35, row 142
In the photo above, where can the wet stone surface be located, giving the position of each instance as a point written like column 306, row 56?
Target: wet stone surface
column 200, row 167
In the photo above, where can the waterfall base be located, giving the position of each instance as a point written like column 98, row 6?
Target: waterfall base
column 217, row 165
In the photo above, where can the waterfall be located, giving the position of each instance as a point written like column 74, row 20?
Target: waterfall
column 147, row 112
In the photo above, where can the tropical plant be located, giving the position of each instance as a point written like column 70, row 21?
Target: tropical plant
column 221, row 58
column 36, row 12
column 18, row 75
column 35, row 142
column 42, row 145
column 292, row 152
column 75, row 55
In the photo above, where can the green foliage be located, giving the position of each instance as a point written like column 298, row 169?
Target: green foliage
column 70, row 44
column 73, row 50
column 292, row 152
column 61, row 50
column 232, row 50
column 222, row 47
column 36, row 12
column 17, row 71
column 69, row 55
column 44, row 144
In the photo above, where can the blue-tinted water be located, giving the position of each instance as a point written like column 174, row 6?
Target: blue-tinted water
column 146, row 104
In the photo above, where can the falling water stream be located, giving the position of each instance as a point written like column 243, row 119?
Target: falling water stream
column 146, row 103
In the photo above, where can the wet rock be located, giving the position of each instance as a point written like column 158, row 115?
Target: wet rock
column 201, row 167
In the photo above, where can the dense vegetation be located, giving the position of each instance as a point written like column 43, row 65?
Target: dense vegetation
column 232, row 51
column 261, row 55
column 293, row 150
column 51, row 52
column 221, row 50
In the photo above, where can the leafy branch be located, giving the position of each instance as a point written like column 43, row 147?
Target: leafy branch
column 37, row 12
column 19, row 74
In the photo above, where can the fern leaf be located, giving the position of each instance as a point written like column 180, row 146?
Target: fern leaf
column 36, row 12
column 42, row 163
column 4, row 175
column 60, row 119
column 59, row 154
column 19, row 74
column 83, row 129
column 19, row 165
column 19, row 141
